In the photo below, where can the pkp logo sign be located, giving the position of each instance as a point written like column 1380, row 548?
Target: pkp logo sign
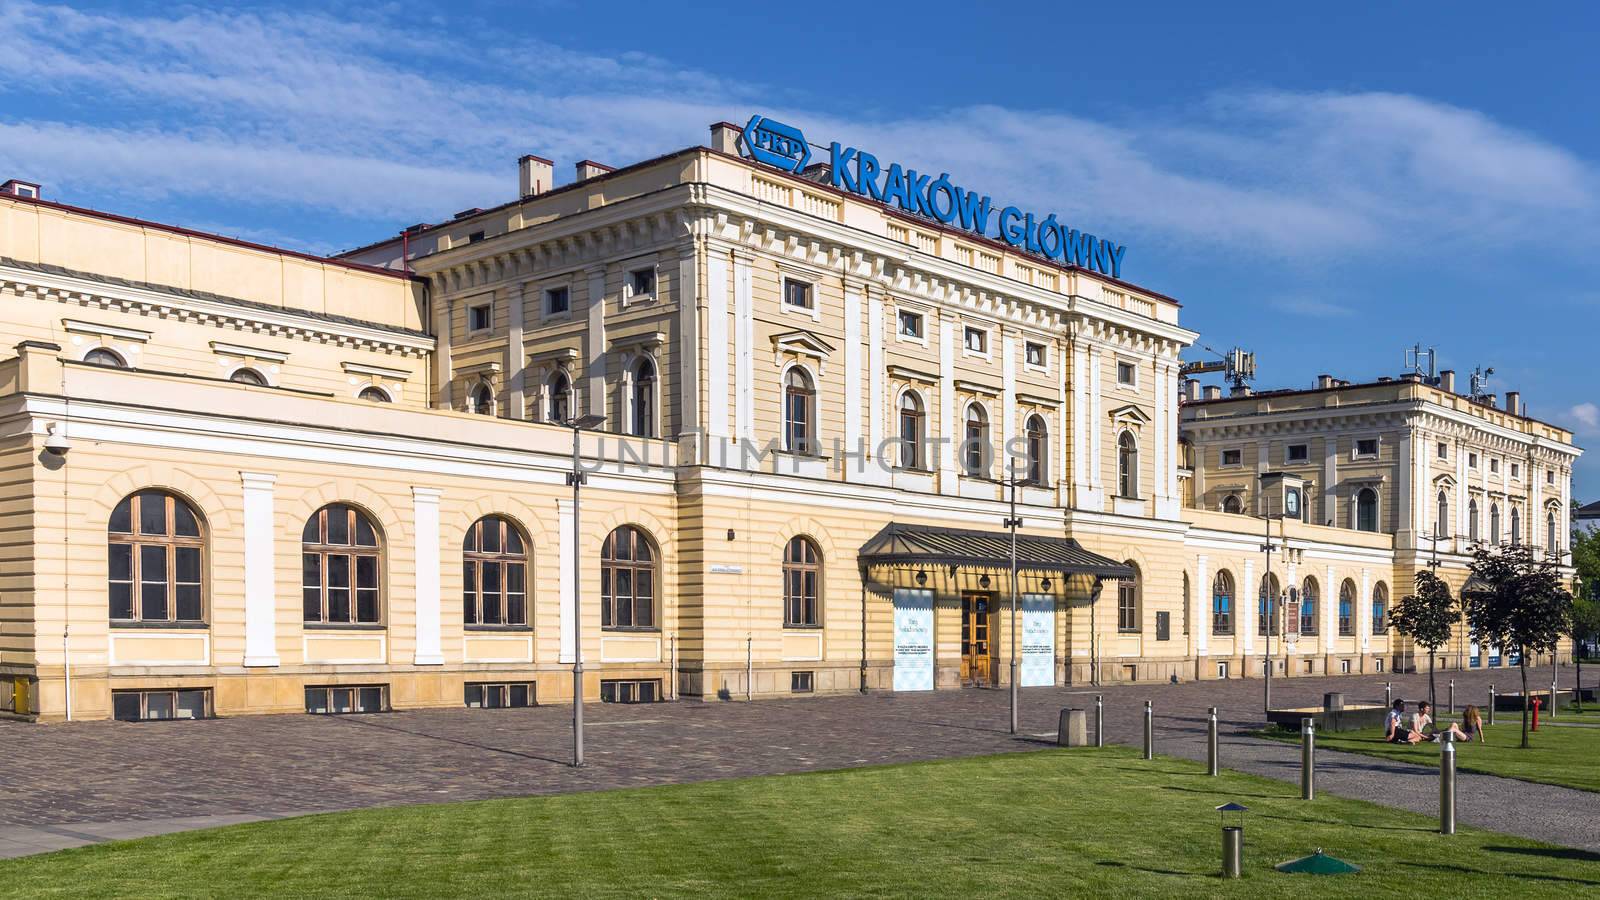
column 776, row 144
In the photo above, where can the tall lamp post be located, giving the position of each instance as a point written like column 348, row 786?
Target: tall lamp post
column 1013, row 522
column 577, row 478
column 1291, row 492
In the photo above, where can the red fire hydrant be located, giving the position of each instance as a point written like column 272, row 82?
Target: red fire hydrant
column 1536, row 714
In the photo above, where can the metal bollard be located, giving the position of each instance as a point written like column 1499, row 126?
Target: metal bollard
column 1308, row 758
column 1452, row 696
column 1447, row 784
column 1491, row 703
column 1388, row 694
column 1099, row 721
column 1211, row 743
column 1149, row 734
column 1232, row 851
column 1552, row 698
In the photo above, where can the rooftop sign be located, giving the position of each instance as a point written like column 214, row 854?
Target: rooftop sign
column 859, row 172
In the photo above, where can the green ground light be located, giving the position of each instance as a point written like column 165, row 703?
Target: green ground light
column 1053, row 823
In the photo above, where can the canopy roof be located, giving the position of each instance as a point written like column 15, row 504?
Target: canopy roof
column 905, row 545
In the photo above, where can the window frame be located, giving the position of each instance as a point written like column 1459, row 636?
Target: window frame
column 802, row 609
column 207, row 704
column 170, row 542
column 357, row 691
column 1222, row 458
column 799, row 413
column 382, row 394
column 915, row 414
column 975, row 442
column 1127, row 465
column 612, row 565
column 1377, row 510
column 1036, row 435
column 506, row 691
column 632, row 294
column 968, row 332
column 1357, row 453
column 564, row 291
column 1222, row 602
column 1132, row 368
column 1310, row 596
column 550, row 409
column 117, row 360
column 902, row 315
column 1348, row 598
column 1128, row 603
column 486, row 307
column 481, row 399
column 474, row 559
column 642, row 414
column 807, row 291
column 1288, row 453
column 324, row 551
column 1043, row 365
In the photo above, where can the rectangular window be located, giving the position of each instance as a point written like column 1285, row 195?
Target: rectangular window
column 1344, row 667
column 910, row 323
column 557, row 300
column 1127, row 606
column 480, row 317
column 474, row 237
column 1516, row 470
column 342, row 699
column 1233, row 457
column 1377, row 664
column 642, row 284
column 1367, row 447
column 801, row 682
column 630, row 691
column 1127, row 374
column 976, row 340
column 1297, row 453
column 797, row 294
column 1472, row 460
column 1444, row 450
column 1550, row 478
column 150, row 706
column 499, row 696
column 1222, row 670
column 1494, row 467
column 1033, row 354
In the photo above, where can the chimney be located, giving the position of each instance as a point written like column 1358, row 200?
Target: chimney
column 535, row 175
column 1491, row 400
column 725, row 138
column 1191, row 390
column 1514, row 402
column 588, row 169
column 1239, row 390
column 1213, row 392
column 1324, row 382
column 18, row 188
column 1447, row 381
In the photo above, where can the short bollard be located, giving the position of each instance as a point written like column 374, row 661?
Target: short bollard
column 1388, row 694
column 1308, row 758
column 1099, row 721
column 1491, row 704
column 1211, row 743
column 1452, row 696
column 1447, row 784
column 1552, row 698
column 1149, row 733
column 1070, row 730
column 1232, row 851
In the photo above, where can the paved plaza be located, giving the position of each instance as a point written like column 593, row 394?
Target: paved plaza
column 66, row 785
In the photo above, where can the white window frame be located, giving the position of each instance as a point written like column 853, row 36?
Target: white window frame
column 630, row 297
column 1442, row 451
column 1355, row 448
column 814, row 311
column 988, row 346
column 1472, row 460
column 1044, row 354
column 544, row 301
column 1222, row 458
column 1133, row 366
column 473, row 307
column 922, row 318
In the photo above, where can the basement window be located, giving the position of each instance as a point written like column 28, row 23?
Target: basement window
column 802, row 682
column 630, row 691
column 499, row 696
column 344, row 699
column 153, row 706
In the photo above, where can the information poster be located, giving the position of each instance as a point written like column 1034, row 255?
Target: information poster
column 1038, row 640
column 913, row 640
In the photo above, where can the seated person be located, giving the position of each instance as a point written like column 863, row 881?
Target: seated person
column 1422, row 727
column 1471, row 727
column 1394, row 729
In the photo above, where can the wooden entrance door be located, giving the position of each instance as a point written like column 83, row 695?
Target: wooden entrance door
column 976, row 651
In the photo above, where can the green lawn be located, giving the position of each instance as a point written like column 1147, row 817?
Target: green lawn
column 1564, row 756
column 1052, row 823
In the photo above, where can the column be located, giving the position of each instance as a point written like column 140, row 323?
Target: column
column 688, row 368
column 1095, row 426
column 516, row 357
column 877, row 389
column 717, row 347
column 425, row 508
column 1330, row 613
column 949, row 424
column 1462, row 524
column 260, row 597
column 597, row 346
column 854, row 467
column 743, row 339
column 1008, row 401
column 1245, row 618
column 569, row 578
column 1200, row 627
column 442, row 364
column 1363, row 612
column 1080, row 426
column 1405, row 491
column 1330, row 480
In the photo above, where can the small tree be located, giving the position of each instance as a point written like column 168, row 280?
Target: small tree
column 1585, row 629
column 1514, row 599
column 1427, row 617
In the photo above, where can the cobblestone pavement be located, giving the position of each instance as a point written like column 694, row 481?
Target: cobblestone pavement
column 65, row 785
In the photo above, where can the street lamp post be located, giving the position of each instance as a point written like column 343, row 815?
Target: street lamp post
column 1013, row 522
column 576, row 478
column 1266, row 594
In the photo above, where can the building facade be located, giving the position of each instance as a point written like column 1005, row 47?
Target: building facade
column 245, row 480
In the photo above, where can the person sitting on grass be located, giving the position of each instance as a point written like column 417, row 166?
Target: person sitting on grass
column 1473, row 726
column 1394, row 727
column 1422, row 727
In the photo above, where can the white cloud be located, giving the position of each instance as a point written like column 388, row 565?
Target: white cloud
column 1587, row 415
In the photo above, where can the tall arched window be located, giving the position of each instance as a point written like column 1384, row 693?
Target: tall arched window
column 101, row 356
column 1128, row 601
column 155, row 552
column 643, row 423
column 1127, row 466
column 1269, row 605
column 1494, row 523
column 558, row 408
column 494, row 574
column 1367, row 510
column 975, row 449
column 1347, row 608
column 628, row 576
column 1552, row 546
column 1222, row 603
column 1380, row 608
column 1516, row 526
column 1441, row 520
column 799, row 413
column 911, row 431
column 1472, row 519
column 1232, row 504
column 248, row 375
column 1038, row 450
column 481, row 399
column 802, row 580
column 340, row 556
column 1309, row 595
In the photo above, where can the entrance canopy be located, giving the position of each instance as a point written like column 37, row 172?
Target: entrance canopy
column 912, row 545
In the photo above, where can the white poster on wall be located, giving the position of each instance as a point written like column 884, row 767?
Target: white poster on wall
column 1038, row 640
column 913, row 640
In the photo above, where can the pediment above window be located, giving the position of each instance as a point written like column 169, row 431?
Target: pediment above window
column 801, row 343
column 1130, row 415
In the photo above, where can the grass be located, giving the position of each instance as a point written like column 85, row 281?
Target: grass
column 1561, row 756
column 1061, row 823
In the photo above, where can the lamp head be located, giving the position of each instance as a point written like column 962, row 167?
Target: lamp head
column 55, row 442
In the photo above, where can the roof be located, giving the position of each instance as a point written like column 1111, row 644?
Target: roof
column 897, row 544
column 1588, row 511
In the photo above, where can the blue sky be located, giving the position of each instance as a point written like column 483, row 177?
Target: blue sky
column 1322, row 187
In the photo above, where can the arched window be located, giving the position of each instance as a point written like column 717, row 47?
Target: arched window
column 340, row 555
column 911, row 431
column 1552, row 546
column 481, row 399
column 248, row 375
column 558, row 406
column 1187, row 610
column 1494, row 523
column 101, row 356
column 494, row 574
column 1516, row 526
column 1269, row 605
column 374, row 395
column 155, row 553
column 975, row 449
column 1038, row 450
column 1128, row 601
column 1347, row 608
column 1472, row 519
column 1309, row 596
column 1127, row 466
column 802, row 580
column 1367, row 510
column 799, row 413
column 643, row 421
column 1232, row 504
column 1380, row 608
column 1222, row 603
column 628, row 575
column 1441, row 521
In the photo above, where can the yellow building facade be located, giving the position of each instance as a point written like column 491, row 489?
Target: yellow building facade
column 243, row 480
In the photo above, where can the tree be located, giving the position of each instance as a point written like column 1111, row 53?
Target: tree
column 1585, row 630
column 1516, row 600
column 1427, row 617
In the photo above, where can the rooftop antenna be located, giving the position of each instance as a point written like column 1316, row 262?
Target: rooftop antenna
column 1238, row 367
column 1414, row 362
column 1479, row 390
